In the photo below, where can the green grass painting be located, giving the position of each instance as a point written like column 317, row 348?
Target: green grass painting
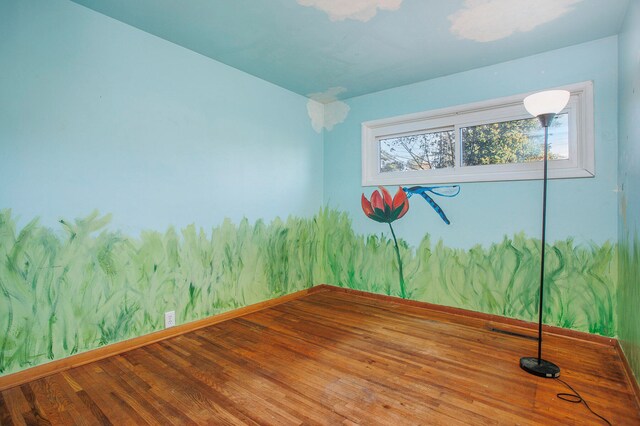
column 81, row 286
column 501, row 279
column 62, row 293
column 629, row 298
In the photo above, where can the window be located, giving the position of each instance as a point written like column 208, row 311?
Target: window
column 422, row 151
column 488, row 141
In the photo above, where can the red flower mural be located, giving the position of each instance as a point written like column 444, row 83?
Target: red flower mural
column 382, row 208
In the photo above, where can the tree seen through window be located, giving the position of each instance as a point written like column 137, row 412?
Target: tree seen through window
column 508, row 142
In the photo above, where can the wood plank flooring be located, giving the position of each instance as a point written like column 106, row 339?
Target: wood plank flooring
column 338, row 359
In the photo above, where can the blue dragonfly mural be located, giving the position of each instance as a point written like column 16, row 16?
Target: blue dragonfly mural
column 442, row 191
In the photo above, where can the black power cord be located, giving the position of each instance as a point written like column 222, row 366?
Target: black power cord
column 576, row 398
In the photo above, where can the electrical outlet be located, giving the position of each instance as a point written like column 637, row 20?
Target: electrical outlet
column 169, row 319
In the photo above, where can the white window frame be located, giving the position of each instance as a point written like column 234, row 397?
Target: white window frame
column 581, row 162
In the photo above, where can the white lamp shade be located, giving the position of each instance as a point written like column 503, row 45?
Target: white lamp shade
column 548, row 102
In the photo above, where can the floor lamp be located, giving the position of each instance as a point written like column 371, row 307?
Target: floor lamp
column 545, row 106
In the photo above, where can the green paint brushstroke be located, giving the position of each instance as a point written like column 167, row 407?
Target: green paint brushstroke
column 87, row 287
column 629, row 300
column 502, row 279
column 75, row 290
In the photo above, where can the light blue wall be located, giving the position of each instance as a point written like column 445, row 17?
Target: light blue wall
column 629, row 175
column 97, row 114
column 486, row 212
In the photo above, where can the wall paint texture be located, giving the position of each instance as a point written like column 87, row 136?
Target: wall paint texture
column 96, row 114
column 488, row 258
column 483, row 213
column 629, row 197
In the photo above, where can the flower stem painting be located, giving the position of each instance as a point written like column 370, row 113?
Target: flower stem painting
column 384, row 209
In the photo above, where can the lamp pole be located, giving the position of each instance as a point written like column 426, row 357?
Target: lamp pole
column 544, row 106
column 545, row 120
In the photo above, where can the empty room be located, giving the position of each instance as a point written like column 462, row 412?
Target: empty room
column 320, row 212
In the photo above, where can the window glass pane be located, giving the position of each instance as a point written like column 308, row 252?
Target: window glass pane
column 518, row 141
column 424, row 151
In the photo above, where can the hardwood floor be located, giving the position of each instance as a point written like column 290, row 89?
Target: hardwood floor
column 333, row 358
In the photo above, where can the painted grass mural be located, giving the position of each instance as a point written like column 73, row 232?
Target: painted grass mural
column 65, row 293
column 82, row 286
column 502, row 279
column 628, row 297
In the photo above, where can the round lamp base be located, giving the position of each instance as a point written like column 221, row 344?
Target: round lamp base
column 540, row 367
